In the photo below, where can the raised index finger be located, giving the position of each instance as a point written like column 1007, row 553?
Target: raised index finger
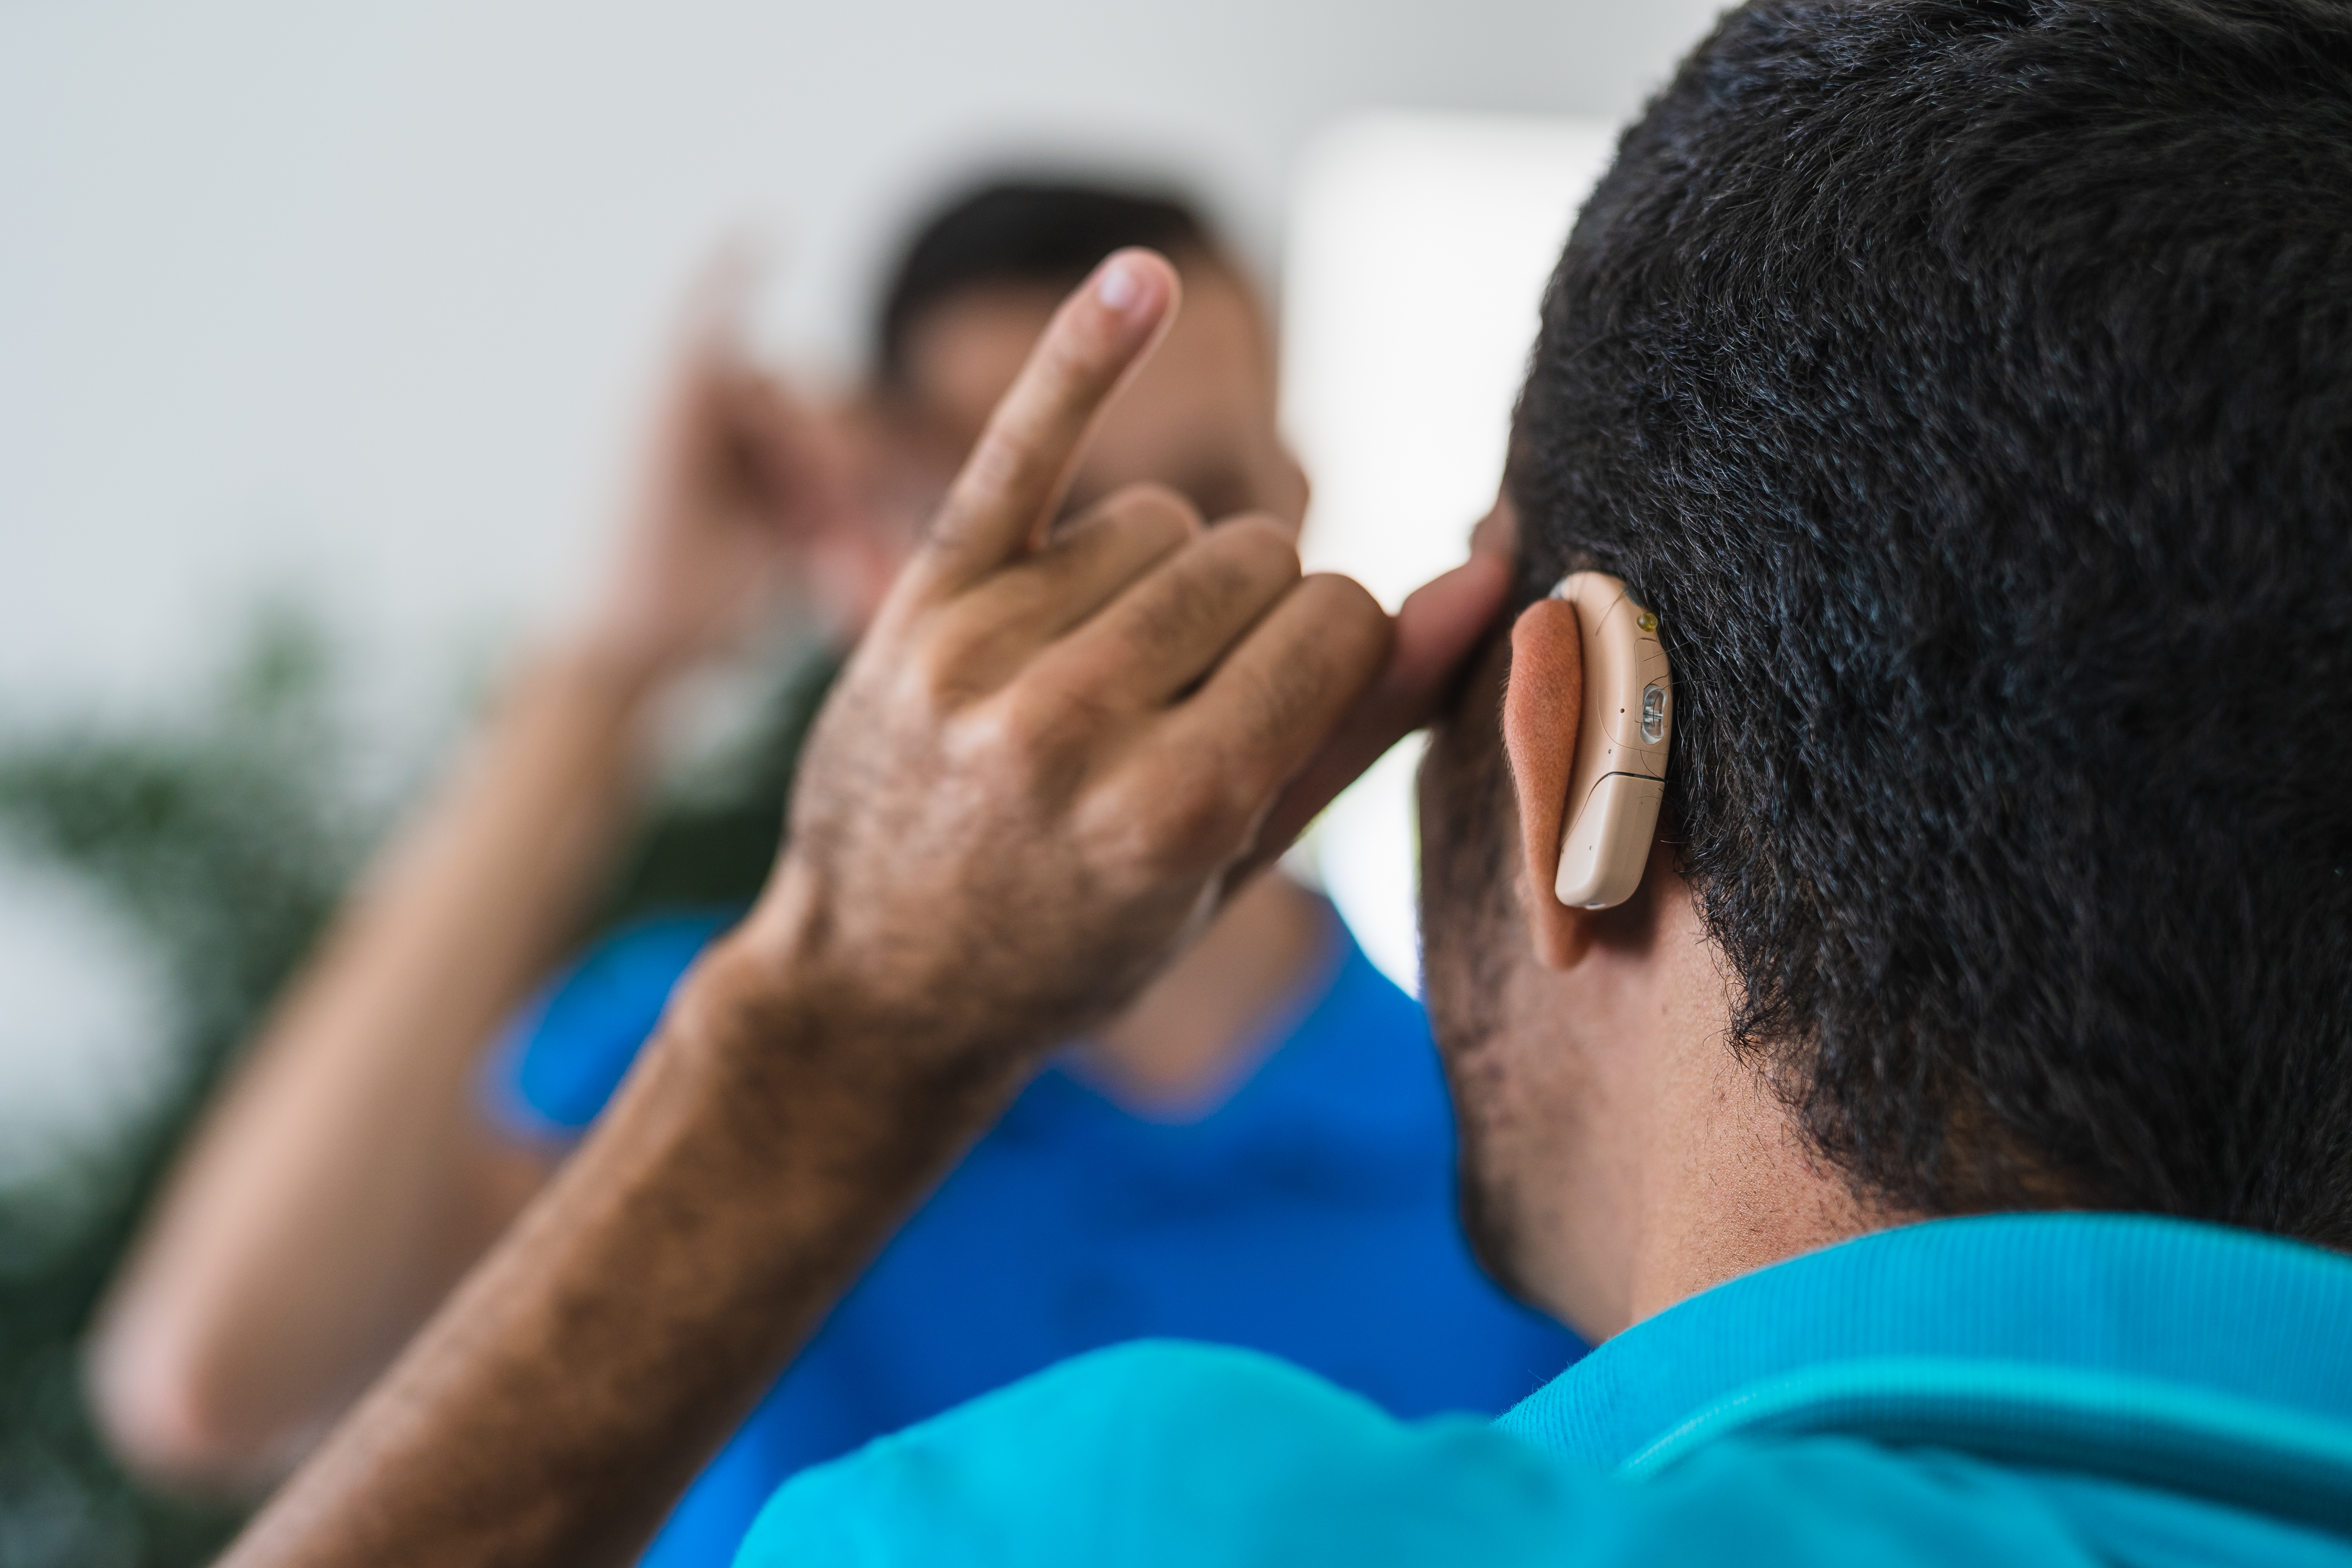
column 1015, row 475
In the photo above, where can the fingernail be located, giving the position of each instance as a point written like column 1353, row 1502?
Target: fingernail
column 1120, row 285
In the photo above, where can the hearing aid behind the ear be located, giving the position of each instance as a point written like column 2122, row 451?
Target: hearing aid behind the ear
column 1619, row 777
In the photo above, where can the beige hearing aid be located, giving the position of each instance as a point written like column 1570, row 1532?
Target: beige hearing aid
column 1619, row 777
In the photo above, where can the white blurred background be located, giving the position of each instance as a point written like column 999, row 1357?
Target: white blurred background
column 1418, row 248
column 354, row 307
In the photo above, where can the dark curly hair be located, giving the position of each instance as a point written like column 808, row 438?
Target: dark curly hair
column 1969, row 388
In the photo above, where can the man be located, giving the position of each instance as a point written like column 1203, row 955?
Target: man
column 1257, row 1151
column 1951, row 1131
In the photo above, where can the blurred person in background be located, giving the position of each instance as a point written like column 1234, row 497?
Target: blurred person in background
column 1258, row 1152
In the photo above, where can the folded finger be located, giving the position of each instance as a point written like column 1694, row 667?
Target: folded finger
column 1087, row 564
column 1159, row 636
column 1438, row 628
column 1273, row 703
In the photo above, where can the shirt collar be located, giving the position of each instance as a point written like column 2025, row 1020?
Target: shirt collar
column 2254, row 1319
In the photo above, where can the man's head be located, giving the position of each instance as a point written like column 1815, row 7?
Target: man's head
column 1968, row 387
column 978, row 283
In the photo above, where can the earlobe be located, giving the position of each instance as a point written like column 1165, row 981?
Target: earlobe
column 1542, row 710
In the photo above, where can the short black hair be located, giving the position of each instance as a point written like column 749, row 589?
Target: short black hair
column 1968, row 386
column 1045, row 233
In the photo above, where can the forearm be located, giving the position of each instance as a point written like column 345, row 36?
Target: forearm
column 569, row 1389
column 329, row 1199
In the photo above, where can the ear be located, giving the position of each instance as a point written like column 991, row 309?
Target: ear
column 1542, row 708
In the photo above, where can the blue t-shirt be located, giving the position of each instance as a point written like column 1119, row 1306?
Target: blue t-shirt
column 1308, row 1214
column 2090, row 1391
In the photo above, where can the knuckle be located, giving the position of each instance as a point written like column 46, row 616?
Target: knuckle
column 1344, row 599
column 957, row 662
column 1352, row 630
column 1149, row 504
column 1177, row 605
column 1152, row 517
column 1015, row 744
column 1262, row 546
column 931, row 682
column 1349, row 606
column 1035, row 724
column 1061, row 713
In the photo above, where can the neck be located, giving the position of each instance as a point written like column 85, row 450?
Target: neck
column 1730, row 1188
column 1185, row 1037
column 1694, row 1158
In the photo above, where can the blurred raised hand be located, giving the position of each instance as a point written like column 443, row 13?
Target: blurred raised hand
column 745, row 489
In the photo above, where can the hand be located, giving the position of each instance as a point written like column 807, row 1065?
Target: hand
column 745, row 486
column 1051, row 758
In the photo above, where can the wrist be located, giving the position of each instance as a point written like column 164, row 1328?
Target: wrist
column 768, row 1013
column 804, row 1114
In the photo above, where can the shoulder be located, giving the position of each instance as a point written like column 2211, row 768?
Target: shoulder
column 1161, row 1453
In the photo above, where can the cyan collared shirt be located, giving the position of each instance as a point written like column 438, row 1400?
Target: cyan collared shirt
column 2021, row 1390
